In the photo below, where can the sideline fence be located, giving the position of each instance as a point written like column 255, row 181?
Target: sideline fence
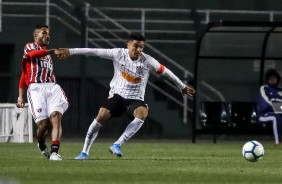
column 15, row 124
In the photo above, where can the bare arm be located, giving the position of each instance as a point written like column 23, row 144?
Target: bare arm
column 22, row 86
column 20, row 101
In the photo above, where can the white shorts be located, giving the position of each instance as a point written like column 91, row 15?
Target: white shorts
column 45, row 98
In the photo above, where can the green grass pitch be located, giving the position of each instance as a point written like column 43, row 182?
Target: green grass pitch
column 144, row 162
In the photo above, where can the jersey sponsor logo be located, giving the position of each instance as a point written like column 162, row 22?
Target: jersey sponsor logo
column 131, row 78
column 45, row 64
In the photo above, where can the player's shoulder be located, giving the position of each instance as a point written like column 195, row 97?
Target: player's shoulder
column 31, row 45
column 118, row 51
column 263, row 87
column 270, row 89
column 146, row 57
column 28, row 44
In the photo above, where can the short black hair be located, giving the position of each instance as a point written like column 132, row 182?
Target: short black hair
column 136, row 36
column 39, row 26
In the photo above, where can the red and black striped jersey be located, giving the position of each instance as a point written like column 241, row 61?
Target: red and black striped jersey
column 37, row 66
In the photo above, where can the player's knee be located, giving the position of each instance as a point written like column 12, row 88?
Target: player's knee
column 103, row 115
column 142, row 116
column 56, row 115
column 141, row 113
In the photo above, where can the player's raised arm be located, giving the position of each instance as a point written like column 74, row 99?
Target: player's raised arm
column 39, row 53
column 161, row 69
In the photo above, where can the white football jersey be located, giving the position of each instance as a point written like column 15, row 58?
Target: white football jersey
column 130, row 77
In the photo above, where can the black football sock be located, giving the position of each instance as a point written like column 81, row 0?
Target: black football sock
column 55, row 146
column 41, row 144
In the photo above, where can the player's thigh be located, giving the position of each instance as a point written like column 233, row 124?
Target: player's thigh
column 137, row 109
column 270, row 118
column 57, row 100
column 37, row 103
column 115, row 106
column 103, row 115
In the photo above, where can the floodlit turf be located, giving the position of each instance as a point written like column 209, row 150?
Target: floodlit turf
column 144, row 162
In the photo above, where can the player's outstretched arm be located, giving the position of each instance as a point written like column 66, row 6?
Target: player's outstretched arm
column 64, row 53
column 40, row 53
column 162, row 70
column 102, row 53
column 185, row 89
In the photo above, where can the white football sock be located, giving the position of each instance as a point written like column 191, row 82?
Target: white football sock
column 130, row 130
column 91, row 136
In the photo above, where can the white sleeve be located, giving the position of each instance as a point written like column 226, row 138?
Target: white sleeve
column 103, row 53
column 168, row 74
column 161, row 69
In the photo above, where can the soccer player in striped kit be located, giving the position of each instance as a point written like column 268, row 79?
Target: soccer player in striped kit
column 131, row 72
column 46, row 99
column 270, row 93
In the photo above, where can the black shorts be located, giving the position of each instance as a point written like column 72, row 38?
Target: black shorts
column 118, row 105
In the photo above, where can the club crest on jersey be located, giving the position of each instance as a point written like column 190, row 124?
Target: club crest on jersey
column 139, row 70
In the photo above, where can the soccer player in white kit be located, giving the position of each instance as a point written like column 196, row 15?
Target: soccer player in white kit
column 46, row 99
column 131, row 73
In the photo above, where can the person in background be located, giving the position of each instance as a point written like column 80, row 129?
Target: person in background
column 271, row 93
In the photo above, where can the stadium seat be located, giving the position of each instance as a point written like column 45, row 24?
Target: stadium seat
column 214, row 114
column 245, row 119
column 243, row 114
